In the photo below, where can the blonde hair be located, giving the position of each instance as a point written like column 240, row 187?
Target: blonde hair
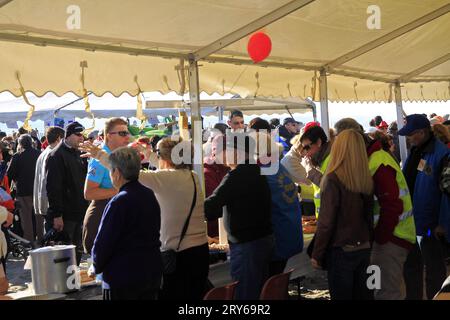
column 295, row 141
column 349, row 161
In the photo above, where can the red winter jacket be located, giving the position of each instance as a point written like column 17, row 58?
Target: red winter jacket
column 391, row 206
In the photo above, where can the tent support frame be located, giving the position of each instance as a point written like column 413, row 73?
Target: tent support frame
column 196, row 123
column 40, row 41
column 424, row 68
column 4, row 2
column 400, row 113
column 388, row 37
column 220, row 113
column 324, row 116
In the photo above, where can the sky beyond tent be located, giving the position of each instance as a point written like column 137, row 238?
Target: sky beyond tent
column 108, row 105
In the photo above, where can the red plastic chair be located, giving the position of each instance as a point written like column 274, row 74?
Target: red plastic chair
column 221, row 293
column 276, row 287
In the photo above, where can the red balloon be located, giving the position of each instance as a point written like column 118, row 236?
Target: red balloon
column 259, row 46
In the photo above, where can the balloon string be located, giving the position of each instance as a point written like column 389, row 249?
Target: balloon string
column 337, row 94
column 87, row 106
column 139, row 112
column 289, row 89
column 30, row 112
column 354, row 89
column 257, row 84
column 181, row 73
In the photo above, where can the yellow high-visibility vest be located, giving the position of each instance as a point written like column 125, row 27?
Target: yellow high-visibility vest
column 307, row 192
column 405, row 228
column 322, row 169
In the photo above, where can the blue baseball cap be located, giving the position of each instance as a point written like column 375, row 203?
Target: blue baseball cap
column 414, row 122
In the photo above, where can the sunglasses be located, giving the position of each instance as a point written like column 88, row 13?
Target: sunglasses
column 78, row 134
column 121, row 133
column 307, row 147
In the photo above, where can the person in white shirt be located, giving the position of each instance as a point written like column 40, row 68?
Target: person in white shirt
column 40, row 200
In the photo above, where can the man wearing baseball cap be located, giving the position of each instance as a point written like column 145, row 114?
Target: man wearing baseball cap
column 423, row 169
column 66, row 172
column 287, row 131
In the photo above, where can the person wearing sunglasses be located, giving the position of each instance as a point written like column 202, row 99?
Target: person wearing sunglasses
column 236, row 121
column 66, row 172
column 98, row 188
column 287, row 131
column 316, row 148
column 294, row 163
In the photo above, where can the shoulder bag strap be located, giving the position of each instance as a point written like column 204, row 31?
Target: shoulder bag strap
column 186, row 224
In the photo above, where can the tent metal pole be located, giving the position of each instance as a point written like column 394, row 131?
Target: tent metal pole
column 55, row 113
column 220, row 114
column 196, row 123
column 400, row 112
column 325, row 120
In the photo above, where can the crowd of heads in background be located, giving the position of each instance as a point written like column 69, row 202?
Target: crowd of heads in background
column 440, row 126
column 287, row 129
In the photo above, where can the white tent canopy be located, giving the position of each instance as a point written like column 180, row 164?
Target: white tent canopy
column 121, row 40
column 350, row 50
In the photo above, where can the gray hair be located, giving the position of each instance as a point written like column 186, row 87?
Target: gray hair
column 347, row 123
column 127, row 161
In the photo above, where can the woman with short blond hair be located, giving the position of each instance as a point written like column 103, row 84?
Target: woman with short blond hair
column 344, row 230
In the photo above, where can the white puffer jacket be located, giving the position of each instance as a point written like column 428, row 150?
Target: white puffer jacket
column 3, row 244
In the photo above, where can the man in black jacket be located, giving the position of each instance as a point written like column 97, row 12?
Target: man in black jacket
column 246, row 195
column 21, row 172
column 66, row 173
column 287, row 131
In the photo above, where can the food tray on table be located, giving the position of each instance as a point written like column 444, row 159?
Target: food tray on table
column 86, row 280
column 309, row 224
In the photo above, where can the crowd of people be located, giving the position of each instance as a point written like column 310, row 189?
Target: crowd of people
column 144, row 219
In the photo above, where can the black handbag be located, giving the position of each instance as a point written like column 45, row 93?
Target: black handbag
column 169, row 257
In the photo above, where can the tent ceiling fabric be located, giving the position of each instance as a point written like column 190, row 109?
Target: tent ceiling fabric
column 121, row 40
